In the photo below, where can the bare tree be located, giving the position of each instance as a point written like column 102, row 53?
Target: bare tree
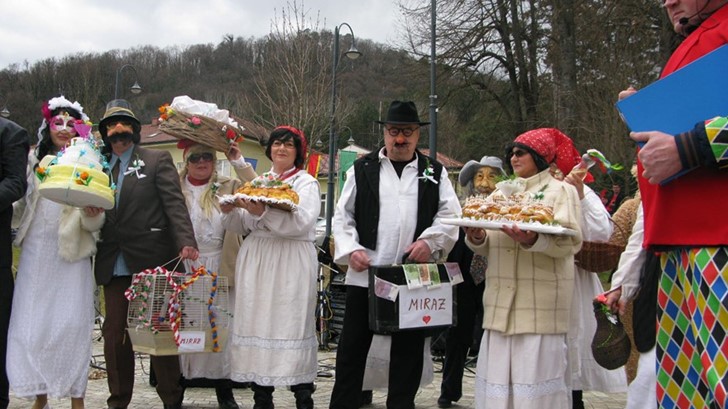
column 291, row 79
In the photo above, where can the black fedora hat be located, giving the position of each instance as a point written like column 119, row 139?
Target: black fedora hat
column 120, row 109
column 402, row 112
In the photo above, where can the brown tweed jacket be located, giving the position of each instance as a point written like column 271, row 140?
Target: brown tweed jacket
column 151, row 224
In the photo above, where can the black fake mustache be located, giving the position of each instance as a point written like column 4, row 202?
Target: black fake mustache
column 121, row 136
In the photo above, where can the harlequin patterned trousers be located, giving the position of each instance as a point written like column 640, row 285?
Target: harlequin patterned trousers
column 692, row 353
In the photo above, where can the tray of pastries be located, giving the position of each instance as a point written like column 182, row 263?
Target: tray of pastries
column 521, row 210
column 277, row 194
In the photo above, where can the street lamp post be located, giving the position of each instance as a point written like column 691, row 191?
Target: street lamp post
column 352, row 54
column 135, row 89
column 4, row 112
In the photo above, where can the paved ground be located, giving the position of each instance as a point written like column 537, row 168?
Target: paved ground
column 203, row 398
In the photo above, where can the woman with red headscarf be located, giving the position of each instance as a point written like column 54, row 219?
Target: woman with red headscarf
column 273, row 339
column 529, row 288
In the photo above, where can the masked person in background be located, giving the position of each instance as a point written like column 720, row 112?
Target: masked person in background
column 480, row 178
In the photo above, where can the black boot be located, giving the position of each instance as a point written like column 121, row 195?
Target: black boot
column 263, row 397
column 366, row 397
column 303, row 393
column 225, row 397
column 577, row 400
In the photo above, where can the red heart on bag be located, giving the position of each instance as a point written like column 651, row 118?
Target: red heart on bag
column 427, row 319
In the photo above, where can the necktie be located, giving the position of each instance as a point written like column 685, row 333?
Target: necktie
column 117, row 181
column 115, row 172
column 478, row 267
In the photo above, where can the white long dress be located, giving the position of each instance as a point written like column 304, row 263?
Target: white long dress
column 49, row 340
column 209, row 234
column 274, row 341
column 586, row 373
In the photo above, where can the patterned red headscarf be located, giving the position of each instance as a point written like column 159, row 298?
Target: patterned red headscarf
column 567, row 156
column 541, row 141
column 554, row 147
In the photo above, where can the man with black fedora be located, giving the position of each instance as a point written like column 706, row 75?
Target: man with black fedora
column 149, row 226
column 390, row 207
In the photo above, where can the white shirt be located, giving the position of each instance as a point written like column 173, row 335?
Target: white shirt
column 632, row 259
column 397, row 219
column 595, row 221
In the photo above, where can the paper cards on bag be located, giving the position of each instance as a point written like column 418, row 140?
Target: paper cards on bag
column 453, row 271
column 412, row 275
column 385, row 289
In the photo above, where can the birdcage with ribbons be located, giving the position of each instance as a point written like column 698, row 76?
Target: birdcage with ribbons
column 171, row 313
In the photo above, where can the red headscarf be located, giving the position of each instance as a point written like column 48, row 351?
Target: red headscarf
column 567, row 156
column 304, row 146
column 554, row 147
column 541, row 140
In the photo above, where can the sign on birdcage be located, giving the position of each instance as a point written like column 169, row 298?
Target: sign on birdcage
column 172, row 313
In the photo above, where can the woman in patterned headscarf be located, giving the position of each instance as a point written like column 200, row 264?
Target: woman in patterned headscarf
column 530, row 284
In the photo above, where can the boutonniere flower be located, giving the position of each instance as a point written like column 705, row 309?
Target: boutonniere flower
column 539, row 195
column 136, row 166
column 215, row 187
column 428, row 174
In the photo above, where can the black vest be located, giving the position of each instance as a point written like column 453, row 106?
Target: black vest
column 366, row 203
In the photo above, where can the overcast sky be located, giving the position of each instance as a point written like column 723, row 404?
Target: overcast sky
column 37, row 29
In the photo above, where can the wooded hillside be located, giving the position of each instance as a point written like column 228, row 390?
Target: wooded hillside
column 504, row 66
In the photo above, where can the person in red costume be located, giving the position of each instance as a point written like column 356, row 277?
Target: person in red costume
column 684, row 222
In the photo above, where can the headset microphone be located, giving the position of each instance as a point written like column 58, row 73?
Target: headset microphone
column 683, row 21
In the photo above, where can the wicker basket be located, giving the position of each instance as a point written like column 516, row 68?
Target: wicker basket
column 610, row 346
column 600, row 256
column 210, row 132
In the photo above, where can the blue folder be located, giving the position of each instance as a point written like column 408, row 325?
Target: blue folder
column 677, row 102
